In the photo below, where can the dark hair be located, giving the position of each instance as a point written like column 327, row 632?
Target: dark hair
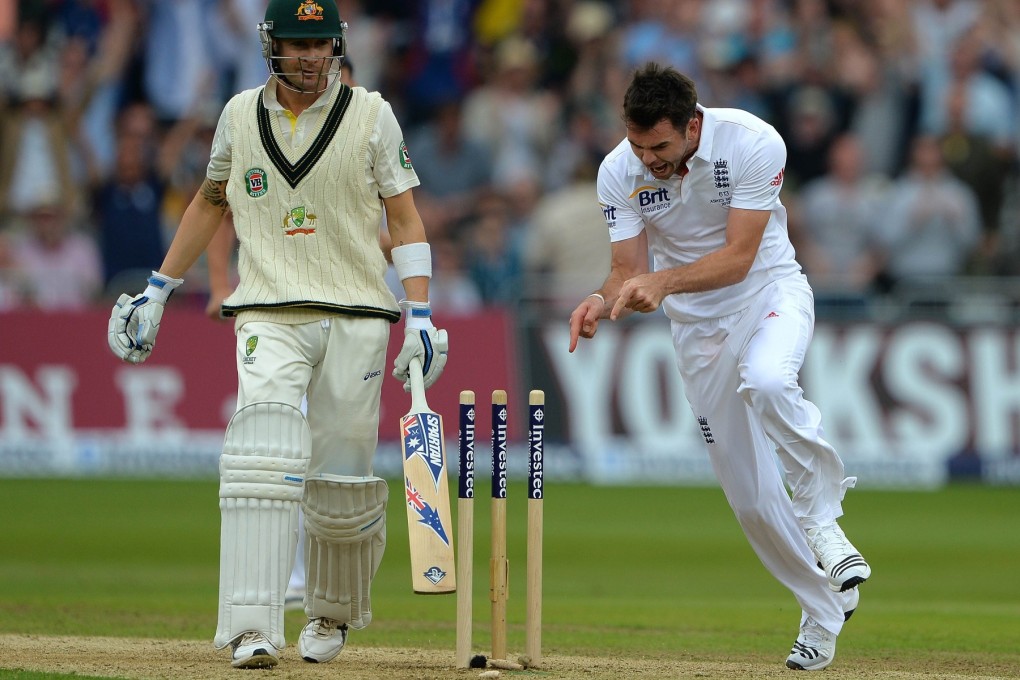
column 658, row 92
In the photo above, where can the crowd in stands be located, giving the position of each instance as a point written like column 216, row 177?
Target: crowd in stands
column 901, row 119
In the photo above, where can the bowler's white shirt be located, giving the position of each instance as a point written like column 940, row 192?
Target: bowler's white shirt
column 739, row 163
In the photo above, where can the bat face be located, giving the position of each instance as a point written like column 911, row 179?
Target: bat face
column 427, row 495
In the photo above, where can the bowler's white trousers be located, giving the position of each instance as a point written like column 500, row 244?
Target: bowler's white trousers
column 740, row 374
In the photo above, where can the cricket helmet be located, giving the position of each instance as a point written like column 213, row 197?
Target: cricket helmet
column 301, row 19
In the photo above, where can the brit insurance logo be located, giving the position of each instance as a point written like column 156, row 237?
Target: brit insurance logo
column 609, row 212
column 651, row 199
column 255, row 182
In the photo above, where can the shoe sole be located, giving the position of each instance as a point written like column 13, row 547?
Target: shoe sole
column 851, row 582
column 312, row 659
column 258, row 661
column 797, row 667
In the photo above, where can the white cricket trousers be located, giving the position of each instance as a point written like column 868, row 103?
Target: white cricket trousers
column 340, row 364
column 740, row 374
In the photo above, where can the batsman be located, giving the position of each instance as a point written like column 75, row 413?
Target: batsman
column 307, row 165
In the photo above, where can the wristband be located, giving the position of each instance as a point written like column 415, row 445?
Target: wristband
column 412, row 259
column 419, row 314
column 160, row 286
column 599, row 296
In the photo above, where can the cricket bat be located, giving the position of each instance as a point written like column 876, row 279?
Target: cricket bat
column 427, row 492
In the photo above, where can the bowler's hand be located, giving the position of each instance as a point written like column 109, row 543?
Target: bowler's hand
column 584, row 320
column 641, row 293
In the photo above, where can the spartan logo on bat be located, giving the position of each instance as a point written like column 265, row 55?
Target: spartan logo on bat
column 422, row 438
column 435, row 575
column 427, row 515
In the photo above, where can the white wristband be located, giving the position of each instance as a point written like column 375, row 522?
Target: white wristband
column 599, row 296
column 412, row 259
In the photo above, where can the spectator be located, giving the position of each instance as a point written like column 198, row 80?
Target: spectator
column 453, row 170
column 510, row 116
column 983, row 166
column 988, row 107
column 59, row 266
column 931, row 224
column 835, row 225
column 35, row 145
column 883, row 96
column 439, row 64
column 451, row 290
column 178, row 61
column 566, row 250
column 129, row 203
column 493, row 262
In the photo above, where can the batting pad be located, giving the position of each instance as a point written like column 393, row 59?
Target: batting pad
column 345, row 520
column 262, row 474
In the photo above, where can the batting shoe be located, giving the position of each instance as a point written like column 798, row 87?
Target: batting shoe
column 814, row 649
column 851, row 598
column 838, row 558
column 321, row 640
column 253, row 650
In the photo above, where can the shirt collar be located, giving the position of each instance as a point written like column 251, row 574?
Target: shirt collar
column 704, row 152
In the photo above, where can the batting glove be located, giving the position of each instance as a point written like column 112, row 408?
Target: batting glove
column 423, row 340
column 134, row 321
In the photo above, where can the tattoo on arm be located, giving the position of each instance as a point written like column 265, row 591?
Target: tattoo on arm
column 215, row 193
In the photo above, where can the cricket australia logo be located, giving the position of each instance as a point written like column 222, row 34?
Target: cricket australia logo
column 423, row 438
column 308, row 10
column 298, row 221
column 249, row 348
column 706, row 431
column 427, row 515
column 255, row 182
column 722, row 174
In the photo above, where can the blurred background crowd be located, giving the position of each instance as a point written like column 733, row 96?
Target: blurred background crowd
column 900, row 118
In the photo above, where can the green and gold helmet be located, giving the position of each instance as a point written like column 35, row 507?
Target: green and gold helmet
column 298, row 20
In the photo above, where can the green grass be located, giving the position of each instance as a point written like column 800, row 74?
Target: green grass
column 629, row 571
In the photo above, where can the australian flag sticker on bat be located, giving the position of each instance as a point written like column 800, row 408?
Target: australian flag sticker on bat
column 427, row 515
column 423, row 437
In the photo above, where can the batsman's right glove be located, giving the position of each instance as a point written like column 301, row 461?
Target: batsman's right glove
column 423, row 340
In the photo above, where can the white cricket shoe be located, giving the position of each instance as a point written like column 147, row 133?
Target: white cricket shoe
column 253, row 650
column 321, row 640
column 838, row 558
column 814, row 649
column 851, row 598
